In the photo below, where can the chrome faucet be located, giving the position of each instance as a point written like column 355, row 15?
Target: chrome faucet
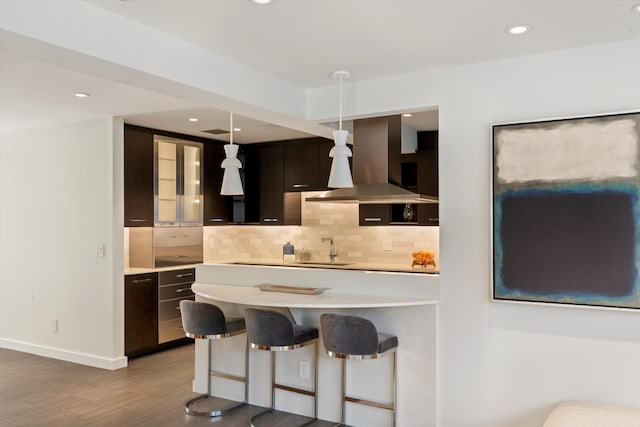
column 332, row 249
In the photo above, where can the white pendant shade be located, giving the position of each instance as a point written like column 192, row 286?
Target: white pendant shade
column 340, row 175
column 231, row 182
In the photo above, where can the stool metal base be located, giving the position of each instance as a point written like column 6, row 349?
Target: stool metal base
column 271, row 410
column 212, row 413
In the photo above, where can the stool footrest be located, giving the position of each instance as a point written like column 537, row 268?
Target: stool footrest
column 388, row 406
column 271, row 410
column 219, row 374
column 295, row 390
column 211, row 413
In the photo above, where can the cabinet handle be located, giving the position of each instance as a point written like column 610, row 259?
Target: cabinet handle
column 140, row 280
column 184, row 275
column 372, row 219
column 138, row 219
column 182, row 290
column 270, row 220
column 433, row 219
column 216, row 220
column 300, row 185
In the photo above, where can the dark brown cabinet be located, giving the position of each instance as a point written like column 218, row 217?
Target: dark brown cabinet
column 138, row 178
column 374, row 215
column 428, row 214
column 274, row 206
column 140, row 313
column 307, row 164
column 217, row 208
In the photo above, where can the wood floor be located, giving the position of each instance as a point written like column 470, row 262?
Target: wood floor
column 151, row 391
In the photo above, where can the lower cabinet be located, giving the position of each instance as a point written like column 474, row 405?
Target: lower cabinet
column 140, row 313
column 173, row 287
column 152, row 320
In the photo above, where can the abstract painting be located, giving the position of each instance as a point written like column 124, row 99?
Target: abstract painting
column 566, row 211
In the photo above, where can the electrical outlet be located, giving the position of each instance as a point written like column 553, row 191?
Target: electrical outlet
column 387, row 245
column 212, row 242
column 54, row 325
column 304, row 370
column 100, row 250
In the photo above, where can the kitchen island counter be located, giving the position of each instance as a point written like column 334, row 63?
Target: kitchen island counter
column 399, row 303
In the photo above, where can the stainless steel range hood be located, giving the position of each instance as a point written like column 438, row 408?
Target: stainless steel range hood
column 376, row 167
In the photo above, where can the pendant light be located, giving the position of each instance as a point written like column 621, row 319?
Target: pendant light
column 340, row 175
column 231, row 183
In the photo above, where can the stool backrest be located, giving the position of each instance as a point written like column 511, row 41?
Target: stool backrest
column 268, row 328
column 199, row 318
column 345, row 334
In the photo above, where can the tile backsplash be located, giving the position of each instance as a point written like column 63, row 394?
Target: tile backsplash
column 354, row 244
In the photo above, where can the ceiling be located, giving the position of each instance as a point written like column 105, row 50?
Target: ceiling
column 304, row 41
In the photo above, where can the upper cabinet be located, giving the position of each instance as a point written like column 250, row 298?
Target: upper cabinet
column 427, row 177
column 166, row 176
column 178, row 177
column 217, row 208
column 138, row 178
column 307, row 164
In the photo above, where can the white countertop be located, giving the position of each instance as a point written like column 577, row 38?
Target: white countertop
column 339, row 266
column 140, row 270
column 251, row 295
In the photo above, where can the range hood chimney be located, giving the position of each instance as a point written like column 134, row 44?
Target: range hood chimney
column 376, row 166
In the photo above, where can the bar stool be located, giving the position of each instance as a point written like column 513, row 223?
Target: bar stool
column 206, row 321
column 355, row 338
column 273, row 331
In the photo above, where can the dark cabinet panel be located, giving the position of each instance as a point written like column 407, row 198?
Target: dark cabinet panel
column 217, row 208
column 138, row 178
column 272, row 185
column 324, row 163
column 428, row 176
column 140, row 312
column 307, row 164
column 373, row 215
column 428, row 214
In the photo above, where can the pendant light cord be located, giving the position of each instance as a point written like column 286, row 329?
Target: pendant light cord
column 340, row 105
column 230, row 128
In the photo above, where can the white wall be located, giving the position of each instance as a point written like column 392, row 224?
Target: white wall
column 505, row 365
column 57, row 204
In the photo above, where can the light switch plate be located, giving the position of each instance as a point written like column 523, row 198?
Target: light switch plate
column 387, row 245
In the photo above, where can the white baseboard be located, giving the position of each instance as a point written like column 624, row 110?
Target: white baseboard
column 66, row 355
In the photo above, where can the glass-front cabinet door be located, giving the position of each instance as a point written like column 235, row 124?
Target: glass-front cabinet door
column 191, row 187
column 178, row 192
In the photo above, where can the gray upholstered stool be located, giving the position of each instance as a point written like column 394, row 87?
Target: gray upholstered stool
column 206, row 321
column 355, row 338
column 273, row 331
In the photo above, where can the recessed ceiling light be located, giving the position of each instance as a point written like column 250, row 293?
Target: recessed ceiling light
column 518, row 29
column 193, row 119
column 636, row 8
column 237, row 130
column 407, row 115
column 81, row 95
column 262, row 1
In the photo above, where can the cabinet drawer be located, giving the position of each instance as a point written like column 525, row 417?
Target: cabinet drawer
column 181, row 290
column 168, row 310
column 170, row 330
column 175, row 277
